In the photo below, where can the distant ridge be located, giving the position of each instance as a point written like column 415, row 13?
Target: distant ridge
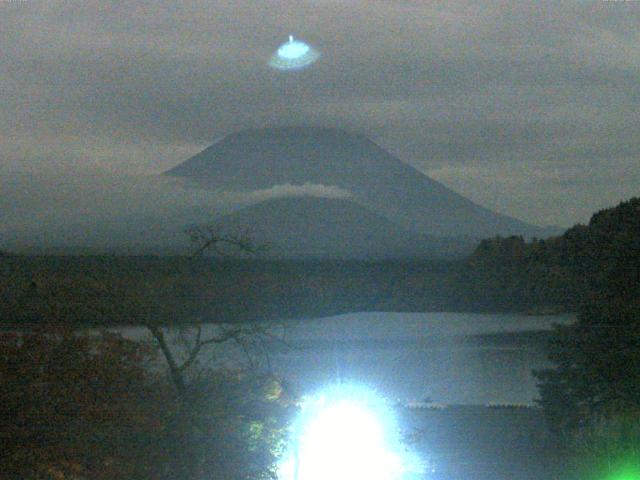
column 262, row 158
column 310, row 227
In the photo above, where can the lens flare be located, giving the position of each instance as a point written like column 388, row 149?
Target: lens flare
column 627, row 471
column 293, row 55
column 344, row 433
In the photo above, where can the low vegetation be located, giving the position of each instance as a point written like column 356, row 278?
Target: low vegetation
column 87, row 406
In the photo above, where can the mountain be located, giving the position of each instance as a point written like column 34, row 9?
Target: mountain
column 262, row 158
column 308, row 227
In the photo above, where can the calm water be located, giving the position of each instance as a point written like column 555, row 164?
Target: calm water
column 409, row 356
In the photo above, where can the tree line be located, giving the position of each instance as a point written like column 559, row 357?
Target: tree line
column 591, row 395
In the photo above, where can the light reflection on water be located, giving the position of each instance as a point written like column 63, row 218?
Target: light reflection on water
column 443, row 356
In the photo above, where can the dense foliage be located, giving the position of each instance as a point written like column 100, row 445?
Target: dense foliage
column 88, row 406
column 74, row 405
column 597, row 365
column 559, row 273
column 591, row 396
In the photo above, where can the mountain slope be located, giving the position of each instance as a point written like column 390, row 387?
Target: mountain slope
column 332, row 228
column 261, row 158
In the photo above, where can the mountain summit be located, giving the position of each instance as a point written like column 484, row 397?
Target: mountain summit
column 263, row 158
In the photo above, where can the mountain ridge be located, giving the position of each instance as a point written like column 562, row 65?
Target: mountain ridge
column 261, row 158
column 338, row 228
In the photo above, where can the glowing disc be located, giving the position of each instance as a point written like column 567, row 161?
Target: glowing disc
column 293, row 55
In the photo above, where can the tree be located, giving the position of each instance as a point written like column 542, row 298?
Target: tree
column 203, row 238
column 93, row 404
column 242, row 437
column 597, row 359
column 229, row 425
column 192, row 344
column 86, row 405
column 209, row 238
column 221, row 424
column 76, row 406
column 597, row 365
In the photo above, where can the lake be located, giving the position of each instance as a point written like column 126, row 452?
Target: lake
column 449, row 358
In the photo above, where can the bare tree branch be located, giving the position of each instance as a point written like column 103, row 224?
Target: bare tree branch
column 174, row 369
column 177, row 369
column 208, row 237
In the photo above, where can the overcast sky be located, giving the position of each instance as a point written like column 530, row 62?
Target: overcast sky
column 529, row 108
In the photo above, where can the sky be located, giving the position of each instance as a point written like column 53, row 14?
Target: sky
column 528, row 108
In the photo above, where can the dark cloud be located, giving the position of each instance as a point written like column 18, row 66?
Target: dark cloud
column 512, row 103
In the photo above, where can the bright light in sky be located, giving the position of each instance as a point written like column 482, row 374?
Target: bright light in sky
column 293, row 55
column 345, row 433
column 293, row 49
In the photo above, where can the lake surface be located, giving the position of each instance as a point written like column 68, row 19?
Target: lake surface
column 450, row 358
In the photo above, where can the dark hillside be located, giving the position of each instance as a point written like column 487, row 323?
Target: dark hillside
column 560, row 272
column 503, row 275
column 112, row 290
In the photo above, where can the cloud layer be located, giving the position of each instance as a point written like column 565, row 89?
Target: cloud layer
column 525, row 107
column 56, row 208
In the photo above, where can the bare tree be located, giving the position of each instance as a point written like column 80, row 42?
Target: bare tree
column 210, row 238
column 183, row 349
column 193, row 343
column 192, row 339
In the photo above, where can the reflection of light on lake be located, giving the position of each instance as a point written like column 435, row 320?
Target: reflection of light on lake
column 438, row 354
column 345, row 432
column 293, row 55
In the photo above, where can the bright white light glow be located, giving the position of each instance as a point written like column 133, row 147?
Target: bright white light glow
column 293, row 55
column 293, row 49
column 345, row 434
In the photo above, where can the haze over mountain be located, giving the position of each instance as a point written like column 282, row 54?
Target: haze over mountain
column 315, row 227
column 262, row 158
column 307, row 192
